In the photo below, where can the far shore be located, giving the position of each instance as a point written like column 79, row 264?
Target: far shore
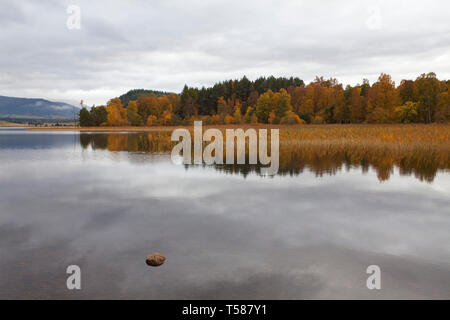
column 11, row 124
column 222, row 126
column 155, row 128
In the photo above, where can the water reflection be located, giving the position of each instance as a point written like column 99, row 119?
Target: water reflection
column 288, row 237
column 320, row 157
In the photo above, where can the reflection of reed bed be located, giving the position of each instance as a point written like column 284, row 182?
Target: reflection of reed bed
column 421, row 150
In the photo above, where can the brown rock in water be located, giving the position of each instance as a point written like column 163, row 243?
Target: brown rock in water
column 155, row 259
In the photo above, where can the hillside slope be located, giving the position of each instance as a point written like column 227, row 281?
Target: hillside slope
column 27, row 108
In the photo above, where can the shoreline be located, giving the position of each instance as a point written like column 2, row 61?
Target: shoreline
column 5, row 124
column 223, row 126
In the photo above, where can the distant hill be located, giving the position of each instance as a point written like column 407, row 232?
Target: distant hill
column 26, row 108
column 136, row 93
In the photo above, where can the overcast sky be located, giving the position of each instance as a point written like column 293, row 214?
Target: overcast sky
column 164, row 44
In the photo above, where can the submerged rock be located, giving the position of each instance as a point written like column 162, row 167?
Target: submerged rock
column 155, row 259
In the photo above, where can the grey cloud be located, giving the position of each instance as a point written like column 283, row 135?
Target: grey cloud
column 165, row 44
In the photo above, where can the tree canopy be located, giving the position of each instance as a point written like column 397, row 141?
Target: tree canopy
column 282, row 100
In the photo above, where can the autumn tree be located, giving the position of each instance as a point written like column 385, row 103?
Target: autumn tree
column 273, row 118
column 428, row 88
column 408, row 91
column 133, row 116
column 151, row 120
column 271, row 107
column 164, row 104
column 237, row 115
column 357, row 112
column 319, row 99
column 408, row 112
column 442, row 113
column 291, row 118
column 117, row 114
column 281, row 103
column 228, row 119
column 297, row 95
column 248, row 114
column 222, row 107
column 307, row 102
column 252, row 99
column 264, row 106
column 147, row 105
column 341, row 110
column 383, row 97
column 166, row 117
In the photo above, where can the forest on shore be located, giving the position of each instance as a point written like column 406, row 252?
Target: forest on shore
column 280, row 101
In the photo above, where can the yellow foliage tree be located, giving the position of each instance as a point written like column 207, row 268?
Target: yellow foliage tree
column 167, row 115
column 117, row 114
column 272, row 117
column 291, row 118
column 151, row 120
column 228, row 119
column 237, row 114
column 384, row 97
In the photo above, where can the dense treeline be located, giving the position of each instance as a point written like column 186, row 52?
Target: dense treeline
column 281, row 101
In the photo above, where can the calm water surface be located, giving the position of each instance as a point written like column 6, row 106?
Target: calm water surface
column 105, row 201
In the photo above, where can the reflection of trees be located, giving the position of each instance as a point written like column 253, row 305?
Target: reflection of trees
column 96, row 141
column 131, row 142
column 318, row 156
